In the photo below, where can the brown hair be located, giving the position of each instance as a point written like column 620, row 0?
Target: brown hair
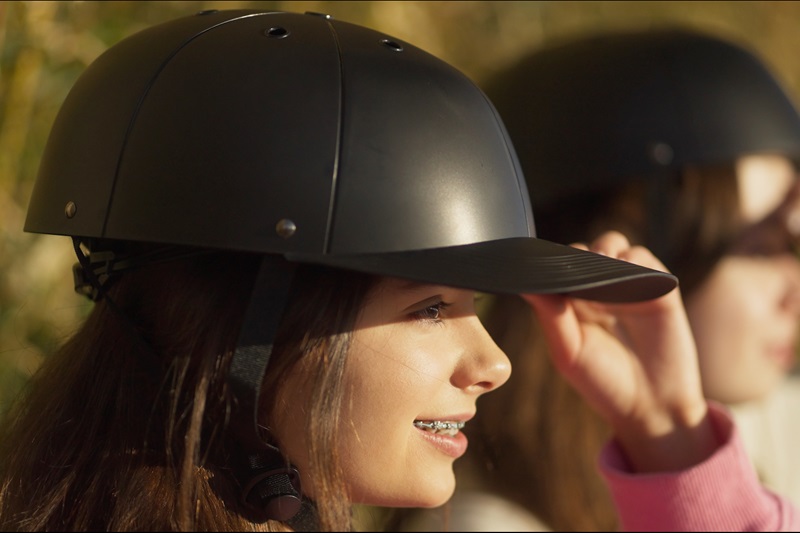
column 534, row 440
column 699, row 204
column 126, row 430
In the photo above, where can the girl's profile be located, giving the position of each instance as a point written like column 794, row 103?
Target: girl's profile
column 284, row 220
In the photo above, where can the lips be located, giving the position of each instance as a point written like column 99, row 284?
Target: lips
column 444, row 435
column 785, row 356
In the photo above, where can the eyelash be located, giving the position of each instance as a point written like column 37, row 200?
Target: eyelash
column 431, row 313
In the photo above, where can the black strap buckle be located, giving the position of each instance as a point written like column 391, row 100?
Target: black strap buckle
column 273, row 491
column 92, row 272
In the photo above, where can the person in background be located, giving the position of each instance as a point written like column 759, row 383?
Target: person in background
column 687, row 144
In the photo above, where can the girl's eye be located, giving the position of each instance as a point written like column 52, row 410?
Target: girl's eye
column 431, row 312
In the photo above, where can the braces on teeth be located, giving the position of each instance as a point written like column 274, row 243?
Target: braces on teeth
column 436, row 425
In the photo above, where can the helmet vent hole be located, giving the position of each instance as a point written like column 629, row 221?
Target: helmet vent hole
column 391, row 45
column 277, row 32
column 661, row 153
column 207, row 12
column 285, row 228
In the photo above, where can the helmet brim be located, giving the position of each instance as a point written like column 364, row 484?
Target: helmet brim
column 513, row 266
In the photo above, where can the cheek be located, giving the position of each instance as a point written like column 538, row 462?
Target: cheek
column 389, row 368
column 722, row 313
column 288, row 423
column 731, row 315
column 387, row 379
column 391, row 381
column 736, row 301
column 722, row 330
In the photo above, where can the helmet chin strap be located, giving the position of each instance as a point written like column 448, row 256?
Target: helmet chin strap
column 270, row 485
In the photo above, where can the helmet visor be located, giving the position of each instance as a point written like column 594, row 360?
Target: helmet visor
column 513, row 266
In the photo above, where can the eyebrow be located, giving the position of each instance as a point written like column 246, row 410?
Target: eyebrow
column 410, row 287
column 433, row 300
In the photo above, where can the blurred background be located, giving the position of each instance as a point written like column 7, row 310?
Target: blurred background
column 44, row 46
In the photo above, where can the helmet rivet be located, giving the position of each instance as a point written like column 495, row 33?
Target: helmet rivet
column 70, row 209
column 661, row 153
column 285, row 228
column 391, row 45
column 277, row 32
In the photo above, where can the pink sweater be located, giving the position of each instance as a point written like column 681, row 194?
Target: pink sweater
column 721, row 494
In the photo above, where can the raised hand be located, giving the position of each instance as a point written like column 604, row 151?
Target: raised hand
column 636, row 364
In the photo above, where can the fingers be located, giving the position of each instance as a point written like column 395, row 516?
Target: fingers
column 615, row 244
column 634, row 363
column 568, row 325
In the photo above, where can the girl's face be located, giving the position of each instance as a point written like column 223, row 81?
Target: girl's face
column 419, row 360
column 745, row 314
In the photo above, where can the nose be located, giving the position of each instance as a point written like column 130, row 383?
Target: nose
column 484, row 366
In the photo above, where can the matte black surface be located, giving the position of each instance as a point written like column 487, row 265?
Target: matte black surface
column 425, row 161
column 517, row 265
column 589, row 113
column 366, row 143
column 212, row 163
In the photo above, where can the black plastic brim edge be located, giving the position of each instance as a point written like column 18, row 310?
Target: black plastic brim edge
column 512, row 266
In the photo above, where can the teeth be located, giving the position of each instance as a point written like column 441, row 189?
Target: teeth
column 440, row 427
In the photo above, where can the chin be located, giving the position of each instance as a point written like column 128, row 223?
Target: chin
column 442, row 499
column 439, row 493
column 427, row 492
column 761, row 382
column 753, row 394
column 430, row 495
column 433, row 502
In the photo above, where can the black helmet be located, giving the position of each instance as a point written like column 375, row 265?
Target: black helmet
column 316, row 139
column 600, row 110
column 303, row 139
